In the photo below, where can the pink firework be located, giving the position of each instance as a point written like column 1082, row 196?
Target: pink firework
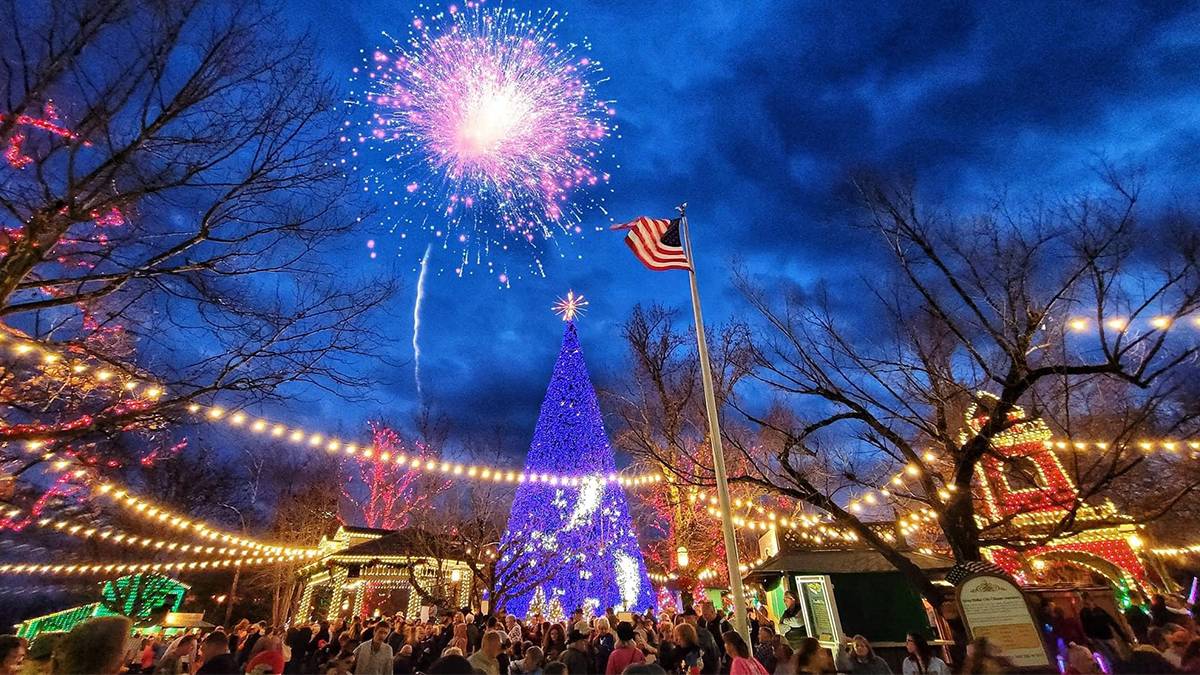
column 492, row 132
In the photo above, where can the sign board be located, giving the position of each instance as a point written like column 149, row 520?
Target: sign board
column 184, row 620
column 819, row 616
column 993, row 607
column 817, row 602
column 768, row 544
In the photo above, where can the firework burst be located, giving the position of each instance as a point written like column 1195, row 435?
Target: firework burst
column 492, row 132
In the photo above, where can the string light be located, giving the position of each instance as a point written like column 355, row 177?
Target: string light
column 132, row 568
column 116, row 537
column 367, row 452
column 159, row 515
column 318, row 440
column 1177, row 551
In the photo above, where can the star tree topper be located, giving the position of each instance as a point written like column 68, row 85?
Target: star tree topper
column 571, row 306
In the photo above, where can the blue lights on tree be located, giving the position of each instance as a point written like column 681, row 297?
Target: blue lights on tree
column 579, row 538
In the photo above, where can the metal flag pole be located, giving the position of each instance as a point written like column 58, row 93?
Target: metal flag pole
column 714, row 433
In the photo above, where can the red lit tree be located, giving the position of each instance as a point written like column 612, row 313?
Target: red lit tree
column 384, row 495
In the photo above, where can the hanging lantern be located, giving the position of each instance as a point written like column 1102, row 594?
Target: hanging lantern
column 681, row 557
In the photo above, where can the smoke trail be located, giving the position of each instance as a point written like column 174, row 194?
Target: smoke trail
column 417, row 323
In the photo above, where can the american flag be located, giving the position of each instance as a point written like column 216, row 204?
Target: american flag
column 655, row 241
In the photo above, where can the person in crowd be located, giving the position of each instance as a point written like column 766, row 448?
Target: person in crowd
column 530, row 664
column 764, row 648
column 474, row 635
column 1064, row 626
column 94, row 647
column 12, row 654
column 625, row 652
column 555, row 668
column 811, row 657
column 576, row 656
column 667, row 646
column 215, row 658
column 321, row 637
column 712, row 621
column 237, row 634
column 484, row 659
column 784, row 661
column 298, row 644
column 1081, row 661
column 741, row 662
column 255, row 632
column 374, row 657
column 711, row 653
column 602, row 643
column 148, row 654
column 1147, row 657
column 177, row 660
column 920, row 659
column 269, row 658
column 858, row 658
column 689, row 655
column 1160, row 613
column 460, row 639
column 514, row 630
column 1138, row 618
column 1177, row 641
column 555, row 641
column 403, row 664
column 1102, row 629
column 792, row 618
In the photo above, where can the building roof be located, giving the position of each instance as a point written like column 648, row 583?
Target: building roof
column 844, row 561
column 407, row 542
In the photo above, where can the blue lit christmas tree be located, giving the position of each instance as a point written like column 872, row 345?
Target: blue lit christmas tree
column 579, row 536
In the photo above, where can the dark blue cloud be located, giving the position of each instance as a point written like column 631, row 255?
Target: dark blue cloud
column 758, row 114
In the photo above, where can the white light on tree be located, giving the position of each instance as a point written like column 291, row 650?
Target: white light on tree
column 629, row 581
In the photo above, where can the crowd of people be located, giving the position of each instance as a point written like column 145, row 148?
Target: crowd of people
column 1156, row 639
column 1153, row 638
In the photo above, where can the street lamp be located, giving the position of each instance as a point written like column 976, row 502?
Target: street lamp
column 681, row 557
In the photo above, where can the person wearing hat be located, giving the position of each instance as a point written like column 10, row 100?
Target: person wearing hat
column 576, row 656
column 626, row 652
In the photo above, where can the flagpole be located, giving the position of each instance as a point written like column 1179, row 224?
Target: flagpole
column 714, row 433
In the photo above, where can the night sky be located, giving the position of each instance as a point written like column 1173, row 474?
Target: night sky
column 757, row 114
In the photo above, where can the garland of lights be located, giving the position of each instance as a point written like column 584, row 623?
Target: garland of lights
column 367, row 452
column 150, row 390
column 129, row 568
column 158, row 514
column 116, row 537
column 133, row 385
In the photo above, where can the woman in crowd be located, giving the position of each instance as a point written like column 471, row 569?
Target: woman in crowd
column 625, row 652
column 785, row 663
column 602, row 644
column 688, row 653
column 741, row 662
column 813, row 658
column 555, row 641
column 529, row 664
column 179, row 657
column 460, row 639
column 858, row 658
column 920, row 659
